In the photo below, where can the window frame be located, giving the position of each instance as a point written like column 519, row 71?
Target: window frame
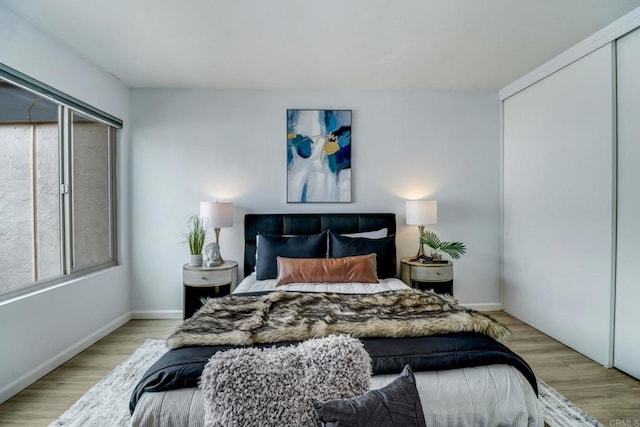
column 67, row 106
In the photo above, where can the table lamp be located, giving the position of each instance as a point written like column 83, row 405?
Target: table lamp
column 216, row 215
column 421, row 213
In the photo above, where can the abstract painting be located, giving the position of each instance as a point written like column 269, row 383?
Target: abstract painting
column 318, row 156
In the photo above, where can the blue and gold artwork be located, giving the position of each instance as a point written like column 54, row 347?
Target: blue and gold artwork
column 318, row 156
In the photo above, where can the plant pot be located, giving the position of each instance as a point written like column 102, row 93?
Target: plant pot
column 195, row 260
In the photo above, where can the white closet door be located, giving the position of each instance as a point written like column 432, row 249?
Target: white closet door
column 627, row 337
column 558, row 204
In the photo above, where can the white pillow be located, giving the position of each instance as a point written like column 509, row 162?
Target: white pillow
column 376, row 234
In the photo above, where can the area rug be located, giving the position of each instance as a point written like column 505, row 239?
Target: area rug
column 107, row 403
column 560, row 412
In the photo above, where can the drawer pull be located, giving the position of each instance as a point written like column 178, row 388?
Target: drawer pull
column 437, row 273
column 204, row 278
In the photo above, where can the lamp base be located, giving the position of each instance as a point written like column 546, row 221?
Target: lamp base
column 214, row 262
column 420, row 255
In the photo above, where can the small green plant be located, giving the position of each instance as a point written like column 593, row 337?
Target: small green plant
column 454, row 249
column 195, row 236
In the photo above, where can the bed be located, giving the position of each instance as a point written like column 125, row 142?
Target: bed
column 463, row 374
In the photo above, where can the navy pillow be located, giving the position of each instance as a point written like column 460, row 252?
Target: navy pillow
column 271, row 246
column 384, row 248
column 395, row 405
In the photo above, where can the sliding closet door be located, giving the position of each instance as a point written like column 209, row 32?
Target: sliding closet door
column 627, row 338
column 558, row 204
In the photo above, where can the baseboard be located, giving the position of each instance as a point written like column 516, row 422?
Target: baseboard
column 43, row 369
column 485, row 306
column 156, row 314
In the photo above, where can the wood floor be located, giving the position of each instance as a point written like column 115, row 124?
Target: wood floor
column 607, row 394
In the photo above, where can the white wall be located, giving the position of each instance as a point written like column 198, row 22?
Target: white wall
column 193, row 145
column 39, row 332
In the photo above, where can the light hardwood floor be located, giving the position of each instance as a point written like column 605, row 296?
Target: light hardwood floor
column 607, row 394
column 42, row 402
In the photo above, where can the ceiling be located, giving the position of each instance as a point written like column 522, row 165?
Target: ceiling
column 318, row 45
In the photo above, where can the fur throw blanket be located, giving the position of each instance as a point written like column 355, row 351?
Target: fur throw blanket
column 297, row 316
column 278, row 386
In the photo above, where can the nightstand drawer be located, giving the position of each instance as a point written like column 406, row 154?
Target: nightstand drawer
column 207, row 277
column 432, row 274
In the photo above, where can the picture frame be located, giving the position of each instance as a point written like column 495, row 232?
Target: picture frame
column 319, row 156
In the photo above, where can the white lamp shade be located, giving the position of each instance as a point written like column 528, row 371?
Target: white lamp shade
column 422, row 212
column 217, row 214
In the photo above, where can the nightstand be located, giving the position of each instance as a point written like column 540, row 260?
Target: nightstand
column 204, row 282
column 438, row 277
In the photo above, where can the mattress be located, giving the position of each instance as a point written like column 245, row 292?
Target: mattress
column 485, row 395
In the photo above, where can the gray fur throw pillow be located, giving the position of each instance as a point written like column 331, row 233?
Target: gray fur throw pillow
column 280, row 386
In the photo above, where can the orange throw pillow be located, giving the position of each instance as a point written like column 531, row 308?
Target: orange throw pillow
column 352, row 269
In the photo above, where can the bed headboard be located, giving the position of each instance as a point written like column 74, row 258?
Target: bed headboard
column 308, row 224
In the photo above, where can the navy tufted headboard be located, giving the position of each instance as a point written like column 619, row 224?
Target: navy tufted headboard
column 308, row 224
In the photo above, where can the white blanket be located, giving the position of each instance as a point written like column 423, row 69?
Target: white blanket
column 251, row 284
column 480, row 396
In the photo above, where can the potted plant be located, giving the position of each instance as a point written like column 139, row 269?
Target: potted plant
column 453, row 249
column 195, row 239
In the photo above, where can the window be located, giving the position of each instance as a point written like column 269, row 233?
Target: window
column 57, row 186
column 90, row 192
